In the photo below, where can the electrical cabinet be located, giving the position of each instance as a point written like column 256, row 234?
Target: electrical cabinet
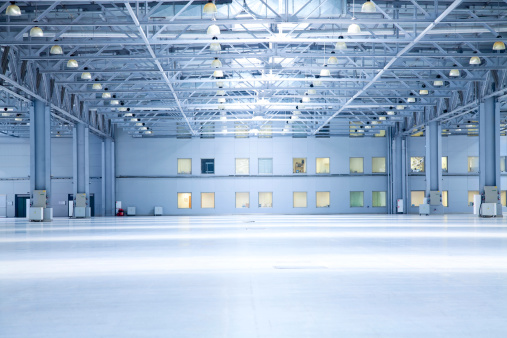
column 131, row 211
column 435, row 198
column 424, row 209
column 36, row 214
column 488, row 209
column 158, row 211
column 399, row 205
column 81, row 200
column 39, row 198
column 80, row 212
column 490, row 194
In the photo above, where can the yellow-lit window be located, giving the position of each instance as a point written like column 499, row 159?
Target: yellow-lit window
column 356, row 165
column 299, row 199
column 265, row 200
column 378, row 164
column 242, row 200
column 299, row 165
column 184, row 200
column 473, row 164
column 416, row 198
column 444, row 164
column 444, row 198
column 322, row 199
column 471, row 194
column 503, row 198
column 207, row 200
column 322, row 165
column 417, row 164
column 184, row 166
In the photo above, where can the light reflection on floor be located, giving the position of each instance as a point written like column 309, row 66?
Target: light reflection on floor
column 254, row 276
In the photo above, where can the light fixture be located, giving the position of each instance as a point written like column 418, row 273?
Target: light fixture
column 254, row 131
column 354, row 29
column 475, row 60
column 36, row 32
column 19, row 119
column 325, row 71
column 139, row 124
column 306, row 99
column 218, row 73
column 411, row 99
column 390, row 112
column 143, row 128
column 340, row 45
column 13, row 10
column 106, row 95
column 332, row 60
column 134, row 120
column 96, row 86
column 209, row 8
column 220, row 84
column 438, row 83
column 213, row 30
column 368, row 7
column 122, row 109
column 72, row 63
column 86, row 76
column 128, row 115
column 294, row 117
column 400, row 107
column 221, row 100
column 148, row 132
column 257, row 118
column 115, row 102
column 312, row 91
column 56, row 50
column 423, row 92
column 499, row 45
column 220, row 92
column 221, row 106
column 454, row 72
column 216, row 63
column 215, row 46
column 382, row 118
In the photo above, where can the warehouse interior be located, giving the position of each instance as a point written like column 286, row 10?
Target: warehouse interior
column 265, row 168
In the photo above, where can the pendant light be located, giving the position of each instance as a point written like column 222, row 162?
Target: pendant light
column 475, row 60
column 215, row 46
column 381, row 118
column 438, row 83
column 454, row 72
column 312, row 91
column 86, row 76
column 213, row 30
column 400, row 107
column 390, row 112
column 36, row 32
column 56, row 50
column 220, row 84
column 325, row 71
column 106, row 95
column 332, row 60
column 221, row 100
column 306, row 99
column 216, row 63
column 423, row 92
column 72, row 63
column 221, row 92
column 368, row 7
column 13, row 10
column 122, row 109
column 115, row 102
column 209, row 8
column 96, row 86
column 218, row 73
column 340, row 45
column 354, row 29
column 499, row 45
column 411, row 99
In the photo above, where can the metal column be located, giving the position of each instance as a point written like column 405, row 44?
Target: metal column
column 434, row 162
column 108, row 177
column 81, row 159
column 398, row 176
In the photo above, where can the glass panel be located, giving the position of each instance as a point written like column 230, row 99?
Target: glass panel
column 444, row 198
column 184, row 200
column 503, row 198
column 242, row 200
column 356, row 164
column 417, row 164
column 378, row 164
column 356, row 198
column 299, row 165
column 322, row 199
column 378, row 198
column 444, row 164
column 265, row 200
column 322, row 166
column 471, row 194
column 473, row 164
column 299, row 199
column 502, row 164
column 207, row 166
column 207, row 200
column 265, row 166
column 242, row 166
column 416, row 198
column 184, row 166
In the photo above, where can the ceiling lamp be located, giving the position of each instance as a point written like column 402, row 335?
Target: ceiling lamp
column 220, row 92
column 325, row 71
column 332, row 60
column 400, row 107
column 86, row 76
column 221, row 106
column 475, row 60
column 340, row 45
column 96, row 86
column 411, row 99
column 209, row 8
column 216, row 63
column 115, row 102
column 122, row 109
column 72, row 63
column 218, row 73
column 221, row 100
column 220, row 84
column 454, row 72
column 215, row 46
column 382, row 118
column 499, row 45
column 213, row 30
column 368, row 7
column 134, row 120
column 106, row 95
column 306, row 99
column 390, row 112
column 129, row 115
column 13, row 10
column 138, row 124
column 19, row 119
column 354, row 29
column 36, row 32
column 423, row 92
column 438, row 83
column 56, row 50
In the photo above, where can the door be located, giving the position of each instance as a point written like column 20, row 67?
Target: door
column 20, row 205
column 3, row 205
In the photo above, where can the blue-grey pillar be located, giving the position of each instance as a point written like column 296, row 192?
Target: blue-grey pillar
column 40, row 148
column 81, row 159
column 433, row 157
column 398, row 174
column 108, row 177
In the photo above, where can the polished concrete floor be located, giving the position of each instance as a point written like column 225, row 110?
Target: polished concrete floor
column 255, row 276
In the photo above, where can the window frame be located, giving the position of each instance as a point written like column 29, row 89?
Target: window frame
column 373, row 167
column 350, row 199
column 236, row 199
column 350, row 169
column 208, row 158
column 423, row 165
column 178, row 166
column 328, row 168
column 178, row 199
column 259, row 199
column 258, row 165
column 317, row 198
column 294, row 165
column 294, row 200
column 213, row 200
column 385, row 199
column 236, row 165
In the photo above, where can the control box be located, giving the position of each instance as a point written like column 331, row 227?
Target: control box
column 36, row 214
column 159, row 211
column 490, row 194
column 39, row 198
column 488, row 209
column 435, row 198
column 81, row 200
column 131, row 211
column 80, row 212
column 424, row 209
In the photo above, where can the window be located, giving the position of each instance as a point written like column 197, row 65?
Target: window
column 502, row 164
column 207, row 165
column 240, row 130
column 444, row 198
column 356, row 164
column 503, row 198
column 265, row 166
column 322, row 165
column 242, row 166
column 242, row 200
column 184, row 166
column 378, row 164
column 416, row 197
column 265, row 131
column 184, row 200
column 471, row 194
column 473, row 164
column 417, row 164
column 299, row 198
column 207, row 200
column 299, row 165
column 356, row 199
column 378, row 199
column 444, row 164
column 322, row 199
column 265, row 200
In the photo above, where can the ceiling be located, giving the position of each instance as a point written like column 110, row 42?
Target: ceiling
column 155, row 61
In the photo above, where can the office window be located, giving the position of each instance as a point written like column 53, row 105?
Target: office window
column 502, row 164
column 356, row 164
column 356, row 198
column 473, row 164
column 242, row 200
column 322, row 199
column 207, row 165
column 378, row 198
column 242, row 166
column 299, row 199
column 378, row 164
column 207, row 200
column 416, row 197
column 322, row 165
column 299, row 165
column 184, row 166
column 265, row 200
column 265, row 166
column 444, row 164
column 503, row 198
column 417, row 164
column 471, row 194
column 184, row 200
column 445, row 201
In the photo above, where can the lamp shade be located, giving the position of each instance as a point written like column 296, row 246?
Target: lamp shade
column 216, row 63
column 221, row 92
column 209, row 8
column 72, row 63
column 13, row 10
column 325, row 71
column 220, row 84
column 96, row 86
column 454, row 72
column 86, row 76
column 423, row 92
column 56, row 50
column 36, row 32
column 438, row 83
column 400, row 107
column 106, row 95
column 221, row 100
column 390, row 112
column 215, row 47
column 115, row 102
column 213, row 30
column 332, row 60
column 218, row 73
column 340, row 45
column 411, row 100
column 475, row 60
column 368, row 7
column 123, row 109
column 354, row 29
column 499, row 45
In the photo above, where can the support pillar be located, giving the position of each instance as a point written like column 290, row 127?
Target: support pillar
column 81, row 159
column 398, row 175
column 108, row 178
column 434, row 166
column 40, row 156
